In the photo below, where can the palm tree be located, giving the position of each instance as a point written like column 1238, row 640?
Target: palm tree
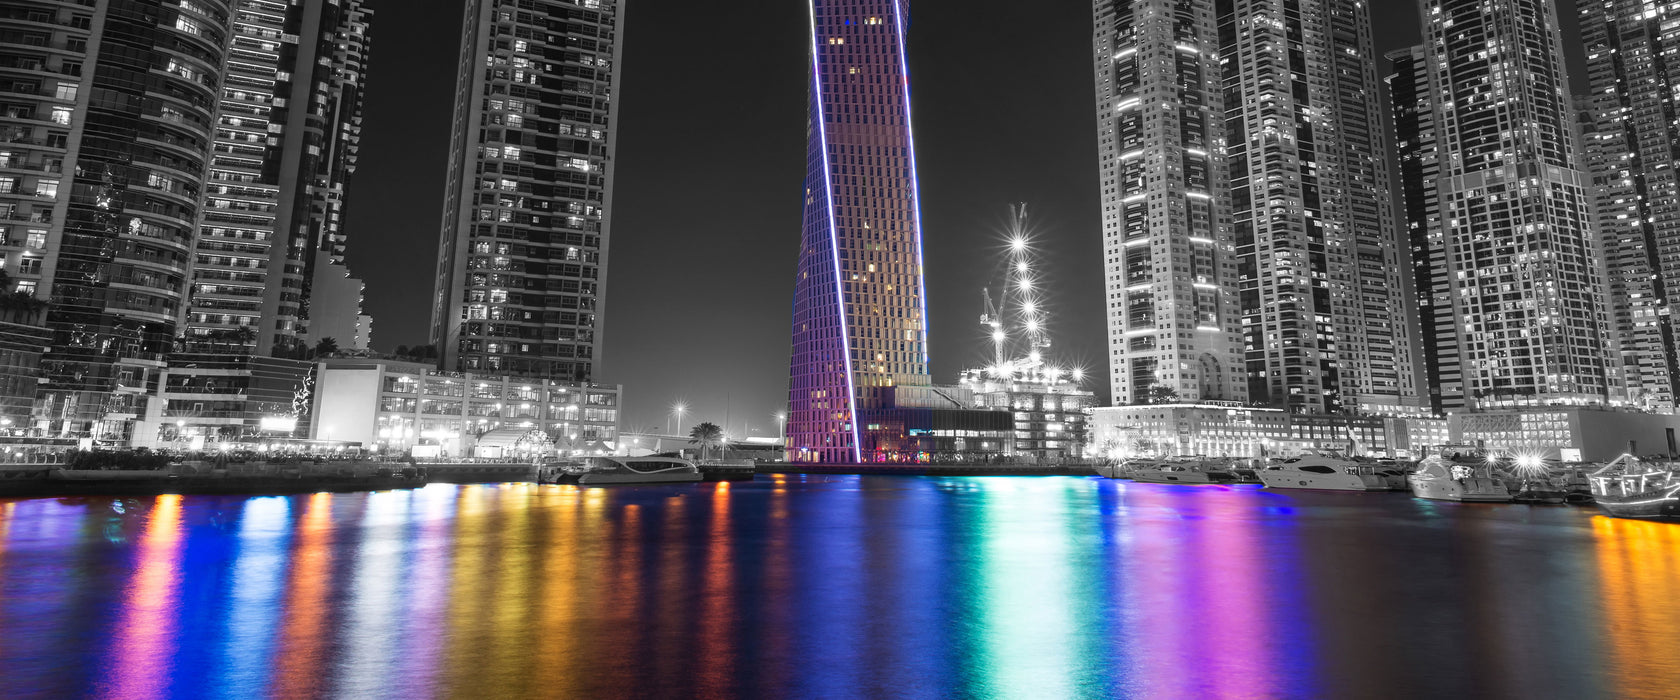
column 327, row 346
column 707, row 436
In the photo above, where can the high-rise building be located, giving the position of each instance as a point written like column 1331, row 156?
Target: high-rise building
column 1322, row 286
column 523, row 253
column 109, row 113
column 1420, row 166
column 859, row 317
column 1170, row 263
column 284, row 150
column 1514, row 209
column 268, row 262
column 1632, row 138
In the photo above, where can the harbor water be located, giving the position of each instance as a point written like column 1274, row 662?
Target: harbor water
column 834, row 586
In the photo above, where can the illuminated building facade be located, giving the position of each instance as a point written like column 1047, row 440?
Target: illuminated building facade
column 859, row 317
column 109, row 112
column 1170, row 264
column 1048, row 407
column 1322, row 288
column 1515, row 210
column 1420, row 166
column 393, row 406
column 522, row 256
column 1632, row 138
column 1172, row 430
column 285, row 147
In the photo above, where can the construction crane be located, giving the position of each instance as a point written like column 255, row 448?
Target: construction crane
column 1017, row 301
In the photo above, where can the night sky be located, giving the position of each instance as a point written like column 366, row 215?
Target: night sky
column 711, row 156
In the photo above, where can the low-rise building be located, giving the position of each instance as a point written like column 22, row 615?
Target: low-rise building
column 211, row 399
column 1569, row 433
column 1049, row 409
column 1234, row 430
column 394, row 406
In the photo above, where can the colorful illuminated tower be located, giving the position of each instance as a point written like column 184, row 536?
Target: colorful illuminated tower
column 859, row 313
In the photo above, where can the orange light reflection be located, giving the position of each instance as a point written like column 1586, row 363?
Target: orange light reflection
column 145, row 640
column 1639, row 568
column 304, row 613
column 718, row 604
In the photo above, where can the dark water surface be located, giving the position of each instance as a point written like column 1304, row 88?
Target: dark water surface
column 834, row 586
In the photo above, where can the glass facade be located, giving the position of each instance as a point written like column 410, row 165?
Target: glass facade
column 523, row 250
column 859, row 317
column 117, row 125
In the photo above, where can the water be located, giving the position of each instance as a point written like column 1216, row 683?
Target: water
column 834, row 586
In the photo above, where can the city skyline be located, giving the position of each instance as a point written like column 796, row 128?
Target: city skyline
column 959, row 118
column 1064, row 243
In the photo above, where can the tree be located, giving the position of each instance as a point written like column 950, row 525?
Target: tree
column 1159, row 393
column 708, row 436
column 326, row 346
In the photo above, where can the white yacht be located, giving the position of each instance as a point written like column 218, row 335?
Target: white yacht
column 598, row 471
column 1178, row 472
column 1442, row 480
column 1328, row 472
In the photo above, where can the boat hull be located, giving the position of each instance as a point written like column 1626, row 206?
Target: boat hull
column 1476, row 490
column 594, row 479
column 1641, row 506
column 1148, row 477
column 1282, row 479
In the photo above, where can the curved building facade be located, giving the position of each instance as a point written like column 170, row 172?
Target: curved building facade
column 127, row 93
column 859, row 312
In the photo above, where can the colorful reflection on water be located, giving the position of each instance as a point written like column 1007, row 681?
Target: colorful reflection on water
column 833, row 586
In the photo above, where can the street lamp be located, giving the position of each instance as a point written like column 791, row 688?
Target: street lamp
column 781, row 425
column 677, row 411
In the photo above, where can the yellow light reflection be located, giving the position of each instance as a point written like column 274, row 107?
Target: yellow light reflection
column 146, row 634
column 558, row 651
column 511, row 591
column 467, row 598
column 1639, row 568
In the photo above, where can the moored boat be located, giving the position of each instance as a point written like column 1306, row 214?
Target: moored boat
column 1442, row 480
column 1179, row 472
column 1630, row 487
column 1324, row 471
column 600, row 471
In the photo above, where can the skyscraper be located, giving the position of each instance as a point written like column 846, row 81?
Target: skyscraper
column 1420, row 166
column 1321, row 283
column 1524, row 268
column 1170, row 264
column 109, row 115
column 1633, row 140
column 859, row 317
column 523, row 253
column 284, row 150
